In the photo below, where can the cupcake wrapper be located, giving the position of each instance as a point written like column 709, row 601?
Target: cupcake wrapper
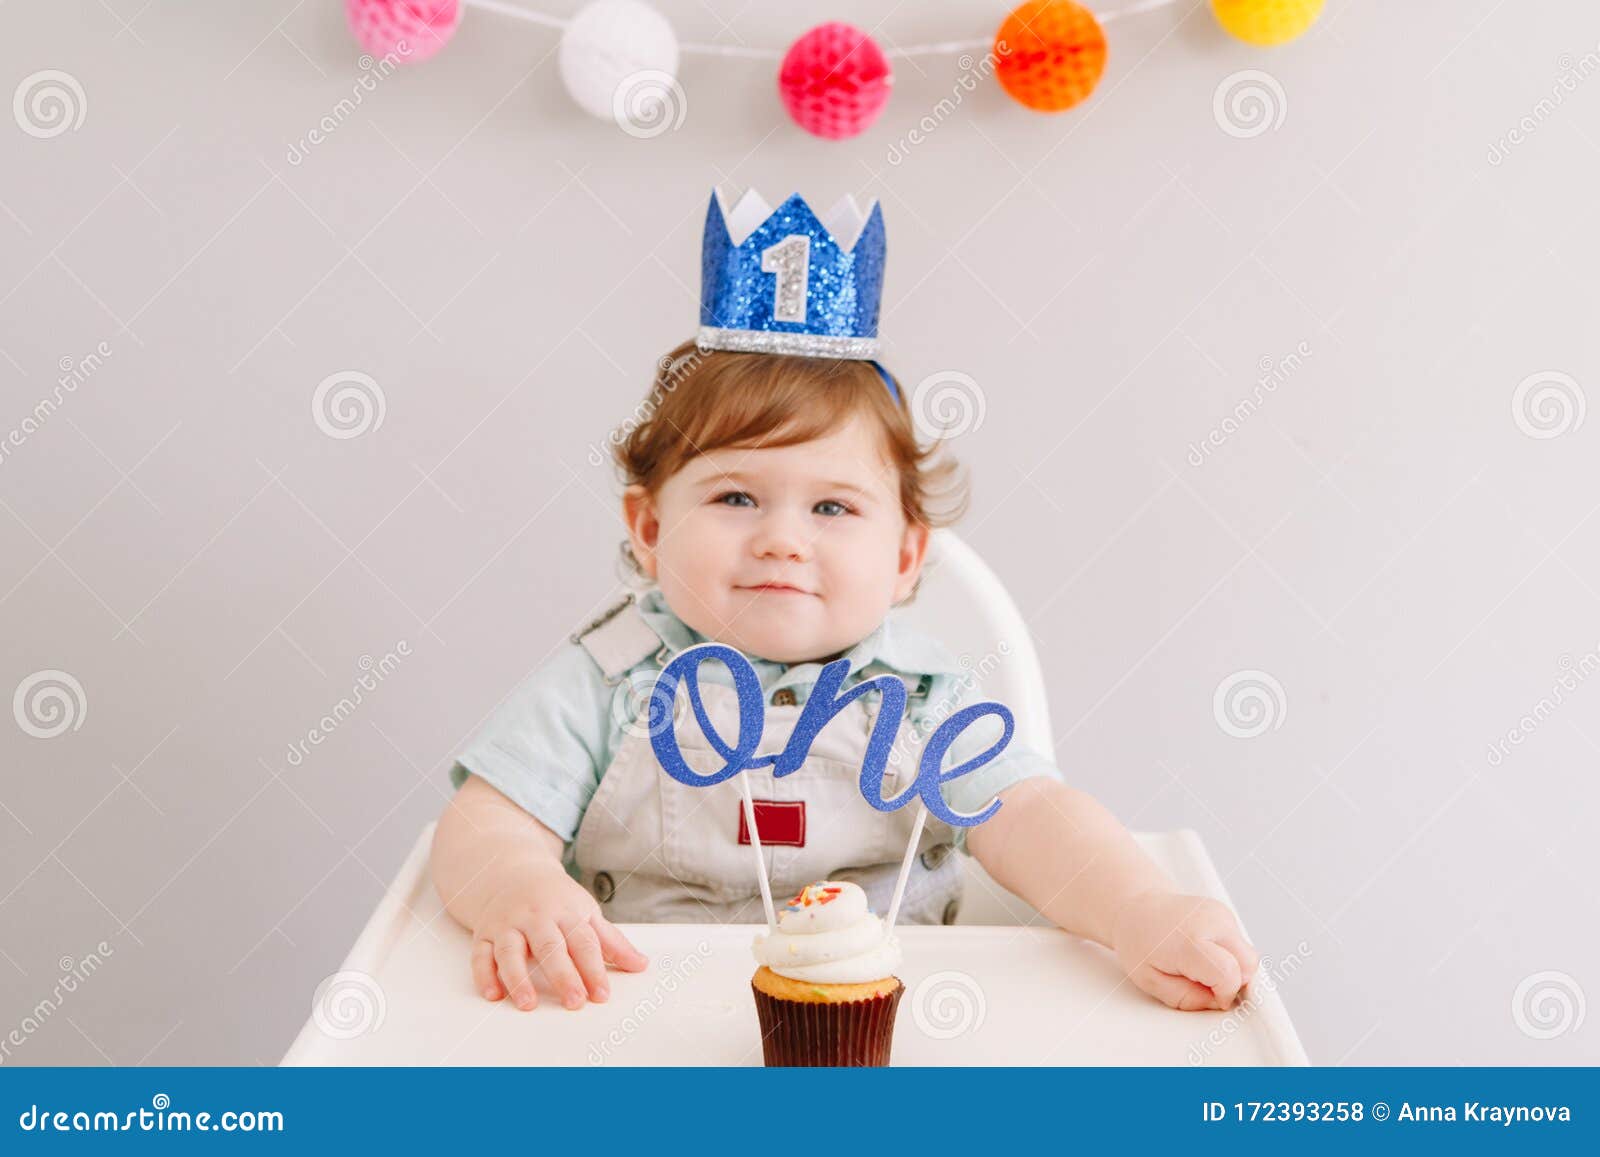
column 856, row 1033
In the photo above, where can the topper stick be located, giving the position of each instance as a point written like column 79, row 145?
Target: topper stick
column 905, row 869
column 761, row 861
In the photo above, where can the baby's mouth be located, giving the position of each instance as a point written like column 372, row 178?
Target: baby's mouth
column 775, row 589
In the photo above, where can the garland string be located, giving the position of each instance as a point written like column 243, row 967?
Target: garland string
column 938, row 48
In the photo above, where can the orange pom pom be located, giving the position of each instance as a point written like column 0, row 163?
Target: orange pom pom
column 1050, row 54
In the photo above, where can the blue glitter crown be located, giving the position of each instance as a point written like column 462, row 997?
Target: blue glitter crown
column 785, row 281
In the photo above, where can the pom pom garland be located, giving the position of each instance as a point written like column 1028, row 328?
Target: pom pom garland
column 619, row 58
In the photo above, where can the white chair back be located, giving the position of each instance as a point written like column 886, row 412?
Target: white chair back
column 962, row 603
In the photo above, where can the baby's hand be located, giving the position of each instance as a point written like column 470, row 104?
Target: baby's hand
column 1186, row 951
column 538, row 910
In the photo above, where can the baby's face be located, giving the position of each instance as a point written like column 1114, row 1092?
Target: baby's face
column 788, row 553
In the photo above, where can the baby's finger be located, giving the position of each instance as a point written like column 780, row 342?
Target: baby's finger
column 1243, row 952
column 1215, row 967
column 583, row 945
column 1173, row 991
column 511, row 956
column 550, row 957
column 617, row 948
column 483, row 977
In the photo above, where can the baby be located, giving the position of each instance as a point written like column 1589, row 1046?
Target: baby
column 779, row 504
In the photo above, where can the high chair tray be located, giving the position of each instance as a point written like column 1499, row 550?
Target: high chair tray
column 974, row 995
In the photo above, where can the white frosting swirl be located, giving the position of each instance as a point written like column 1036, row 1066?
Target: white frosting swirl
column 826, row 935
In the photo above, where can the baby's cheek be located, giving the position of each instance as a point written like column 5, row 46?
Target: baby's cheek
column 869, row 558
column 690, row 553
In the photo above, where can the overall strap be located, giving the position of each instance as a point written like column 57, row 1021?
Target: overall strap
column 620, row 639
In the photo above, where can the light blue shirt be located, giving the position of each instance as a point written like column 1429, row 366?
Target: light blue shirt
column 547, row 746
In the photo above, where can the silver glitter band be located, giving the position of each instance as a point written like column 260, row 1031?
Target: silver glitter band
column 811, row 345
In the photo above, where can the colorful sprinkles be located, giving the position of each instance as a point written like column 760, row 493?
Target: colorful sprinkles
column 812, row 894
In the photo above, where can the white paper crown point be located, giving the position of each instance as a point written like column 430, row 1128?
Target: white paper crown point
column 845, row 220
column 746, row 216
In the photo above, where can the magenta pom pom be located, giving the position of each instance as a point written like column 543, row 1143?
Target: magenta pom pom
column 407, row 30
column 834, row 81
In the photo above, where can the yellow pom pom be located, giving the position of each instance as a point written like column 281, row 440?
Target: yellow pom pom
column 1266, row 22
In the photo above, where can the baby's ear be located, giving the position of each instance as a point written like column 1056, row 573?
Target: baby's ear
column 644, row 526
column 913, row 553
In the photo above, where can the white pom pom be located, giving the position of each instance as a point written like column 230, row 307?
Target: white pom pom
column 607, row 47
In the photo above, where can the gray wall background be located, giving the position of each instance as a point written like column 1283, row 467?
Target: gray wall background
column 1402, row 535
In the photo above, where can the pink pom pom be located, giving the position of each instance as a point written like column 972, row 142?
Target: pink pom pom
column 409, row 30
column 834, row 81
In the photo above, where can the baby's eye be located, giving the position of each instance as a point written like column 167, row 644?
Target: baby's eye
column 831, row 508
column 734, row 498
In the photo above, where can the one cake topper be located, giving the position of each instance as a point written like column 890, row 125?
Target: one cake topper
column 825, row 701
column 789, row 281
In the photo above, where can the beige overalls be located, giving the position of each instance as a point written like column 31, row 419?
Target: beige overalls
column 653, row 850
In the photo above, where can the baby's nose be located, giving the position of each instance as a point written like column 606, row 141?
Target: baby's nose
column 782, row 537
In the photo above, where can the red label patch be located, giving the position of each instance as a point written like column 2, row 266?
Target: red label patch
column 779, row 821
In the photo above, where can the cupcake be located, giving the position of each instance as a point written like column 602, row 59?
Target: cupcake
column 826, row 992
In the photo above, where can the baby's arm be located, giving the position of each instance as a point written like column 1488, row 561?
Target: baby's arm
column 1064, row 853
column 498, row 871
